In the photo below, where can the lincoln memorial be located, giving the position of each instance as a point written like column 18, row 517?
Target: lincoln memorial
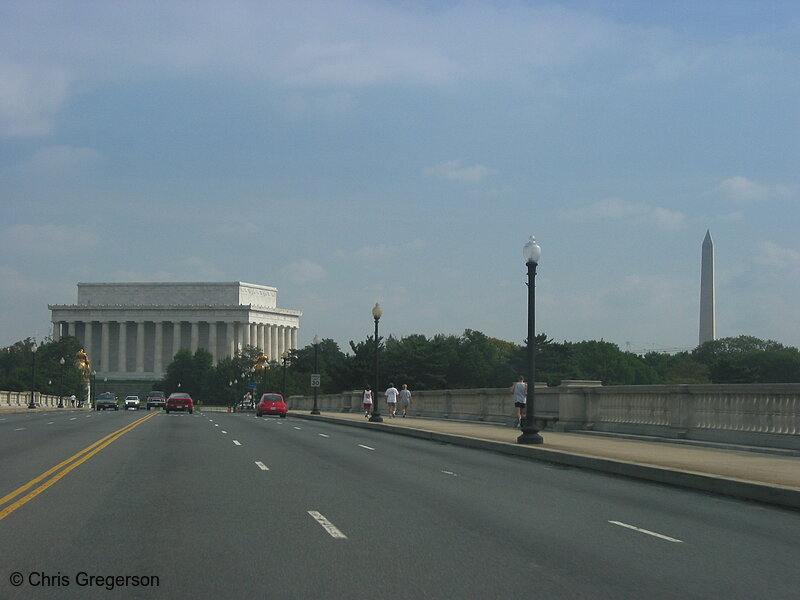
column 131, row 331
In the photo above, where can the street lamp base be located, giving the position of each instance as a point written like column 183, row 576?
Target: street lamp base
column 376, row 419
column 315, row 411
column 530, row 436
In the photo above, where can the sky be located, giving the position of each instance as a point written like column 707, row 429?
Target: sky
column 402, row 152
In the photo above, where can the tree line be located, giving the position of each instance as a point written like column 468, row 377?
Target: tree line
column 469, row 360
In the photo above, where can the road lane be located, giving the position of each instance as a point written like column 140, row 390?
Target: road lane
column 176, row 498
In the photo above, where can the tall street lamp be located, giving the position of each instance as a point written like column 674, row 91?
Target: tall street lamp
column 284, row 358
column 92, row 389
column 32, row 403
column 531, row 252
column 315, row 378
column 61, row 362
column 377, row 312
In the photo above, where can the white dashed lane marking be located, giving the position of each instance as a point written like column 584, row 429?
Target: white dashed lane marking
column 262, row 466
column 367, row 447
column 327, row 525
column 647, row 532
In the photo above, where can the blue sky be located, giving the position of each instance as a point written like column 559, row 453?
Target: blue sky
column 403, row 152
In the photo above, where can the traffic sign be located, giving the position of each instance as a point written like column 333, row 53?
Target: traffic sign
column 315, row 380
column 251, row 385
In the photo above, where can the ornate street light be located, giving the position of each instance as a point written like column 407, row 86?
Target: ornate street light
column 531, row 252
column 284, row 358
column 377, row 312
column 61, row 362
column 32, row 403
column 315, row 378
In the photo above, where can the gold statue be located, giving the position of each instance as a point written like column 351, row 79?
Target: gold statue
column 82, row 363
column 261, row 362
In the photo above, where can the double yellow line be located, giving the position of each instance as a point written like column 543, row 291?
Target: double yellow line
column 64, row 467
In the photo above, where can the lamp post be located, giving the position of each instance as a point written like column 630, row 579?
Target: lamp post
column 61, row 362
column 32, row 403
column 531, row 252
column 315, row 378
column 377, row 312
column 92, row 386
column 284, row 358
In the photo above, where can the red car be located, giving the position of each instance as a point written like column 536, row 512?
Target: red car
column 271, row 404
column 179, row 401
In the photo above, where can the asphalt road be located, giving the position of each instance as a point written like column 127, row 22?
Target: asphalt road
column 224, row 505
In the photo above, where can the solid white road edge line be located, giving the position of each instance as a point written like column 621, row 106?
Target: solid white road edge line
column 367, row 447
column 327, row 525
column 647, row 532
column 262, row 466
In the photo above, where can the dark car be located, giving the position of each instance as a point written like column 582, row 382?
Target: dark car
column 106, row 401
column 271, row 404
column 179, row 401
column 156, row 400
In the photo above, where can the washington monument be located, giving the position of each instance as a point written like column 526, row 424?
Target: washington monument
column 708, row 328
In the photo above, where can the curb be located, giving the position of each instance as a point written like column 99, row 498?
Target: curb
column 760, row 492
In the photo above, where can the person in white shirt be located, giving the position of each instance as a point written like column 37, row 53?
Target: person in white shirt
column 391, row 398
column 519, row 389
column 366, row 401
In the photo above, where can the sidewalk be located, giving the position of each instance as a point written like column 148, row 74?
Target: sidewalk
column 739, row 473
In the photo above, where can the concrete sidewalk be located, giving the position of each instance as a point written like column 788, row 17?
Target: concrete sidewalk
column 744, row 474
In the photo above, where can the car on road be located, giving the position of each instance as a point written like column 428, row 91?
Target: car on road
column 156, row 400
column 106, row 401
column 132, row 402
column 271, row 404
column 179, row 401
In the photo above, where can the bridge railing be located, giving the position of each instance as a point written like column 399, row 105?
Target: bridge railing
column 22, row 399
column 752, row 414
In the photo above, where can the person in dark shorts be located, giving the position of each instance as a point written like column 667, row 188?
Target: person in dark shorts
column 519, row 390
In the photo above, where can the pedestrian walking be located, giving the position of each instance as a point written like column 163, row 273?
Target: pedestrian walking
column 72, row 400
column 405, row 399
column 391, row 398
column 366, row 401
column 519, row 390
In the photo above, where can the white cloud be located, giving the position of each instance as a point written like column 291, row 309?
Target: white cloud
column 304, row 271
column 30, row 96
column 456, row 171
column 619, row 210
column 740, row 189
column 47, row 239
column 383, row 251
column 772, row 255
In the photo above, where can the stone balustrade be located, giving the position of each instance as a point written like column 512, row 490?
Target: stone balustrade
column 22, row 399
column 750, row 414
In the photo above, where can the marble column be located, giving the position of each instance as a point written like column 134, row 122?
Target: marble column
column 158, row 360
column 140, row 346
column 87, row 342
column 294, row 339
column 239, row 335
column 212, row 341
column 254, row 335
column 176, row 338
column 230, row 342
column 260, row 338
column 195, row 339
column 56, row 331
column 274, row 337
column 245, row 333
column 287, row 339
column 122, row 355
column 71, row 328
column 104, row 346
